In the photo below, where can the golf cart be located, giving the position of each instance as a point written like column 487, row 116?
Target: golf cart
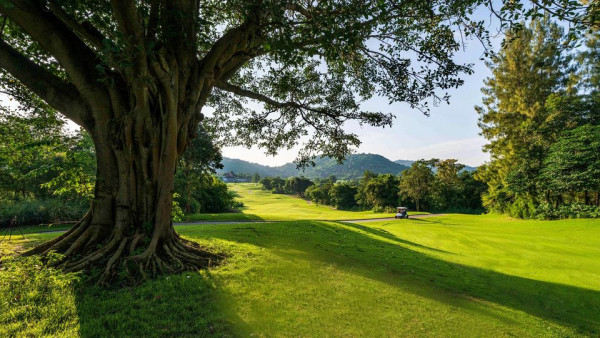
column 401, row 212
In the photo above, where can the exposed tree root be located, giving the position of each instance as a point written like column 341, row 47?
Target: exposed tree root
column 124, row 259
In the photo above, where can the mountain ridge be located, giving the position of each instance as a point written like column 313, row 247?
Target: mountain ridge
column 353, row 167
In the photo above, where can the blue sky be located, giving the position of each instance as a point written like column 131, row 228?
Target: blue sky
column 449, row 132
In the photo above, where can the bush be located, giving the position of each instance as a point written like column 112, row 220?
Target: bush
column 205, row 195
column 547, row 211
column 34, row 212
column 522, row 208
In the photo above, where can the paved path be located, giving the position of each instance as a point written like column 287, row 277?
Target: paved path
column 252, row 221
column 391, row 218
column 349, row 220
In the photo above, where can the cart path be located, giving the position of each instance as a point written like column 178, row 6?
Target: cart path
column 319, row 220
column 265, row 221
column 391, row 218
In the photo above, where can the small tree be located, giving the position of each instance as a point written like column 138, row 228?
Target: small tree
column 342, row 195
column 416, row 182
column 446, row 190
column 320, row 193
column 255, row 178
column 297, row 185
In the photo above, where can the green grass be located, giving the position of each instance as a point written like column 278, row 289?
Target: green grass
column 457, row 275
column 263, row 205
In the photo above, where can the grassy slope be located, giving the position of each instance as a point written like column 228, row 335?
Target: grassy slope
column 449, row 276
column 263, row 205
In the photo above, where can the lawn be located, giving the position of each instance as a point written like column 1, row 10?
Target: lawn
column 263, row 205
column 457, row 275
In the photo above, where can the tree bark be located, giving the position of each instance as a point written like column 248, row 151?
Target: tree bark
column 128, row 227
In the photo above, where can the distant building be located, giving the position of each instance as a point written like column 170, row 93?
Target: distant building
column 230, row 177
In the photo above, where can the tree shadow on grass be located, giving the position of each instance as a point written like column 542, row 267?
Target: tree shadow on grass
column 222, row 217
column 187, row 304
column 386, row 234
column 350, row 248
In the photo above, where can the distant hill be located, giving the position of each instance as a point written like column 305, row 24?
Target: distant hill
column 353, row 167
column 408, row 163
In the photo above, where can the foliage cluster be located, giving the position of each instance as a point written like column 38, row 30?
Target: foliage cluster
column 290, row 185
column 540, row 114
column 197, row 189
column 48, row 172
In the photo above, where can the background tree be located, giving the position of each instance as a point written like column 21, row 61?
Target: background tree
column 573, row 164
column 446, row 190
column 381, row 192
column 198, row 191
column 320, row 193
column 362, row 192
column 531, row 67
column 342, row 195
column 255, row 178
column 297, row 185
column 75, row 170
column 416, row 182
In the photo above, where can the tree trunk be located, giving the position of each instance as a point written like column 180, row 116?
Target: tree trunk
column 128, row 227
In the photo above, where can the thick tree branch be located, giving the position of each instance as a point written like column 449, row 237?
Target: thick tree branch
column 263, row 98
column 253, row 95
column 85, row 30
column 56, row 38
column 58, row 94
column 294, row 7
column 125, row 12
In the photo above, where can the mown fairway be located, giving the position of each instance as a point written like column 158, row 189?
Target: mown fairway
column 455, row 275
column 263, row 205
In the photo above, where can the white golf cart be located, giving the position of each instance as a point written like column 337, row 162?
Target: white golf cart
column 401, row 212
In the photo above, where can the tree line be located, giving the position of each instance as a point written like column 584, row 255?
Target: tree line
column 432, row 185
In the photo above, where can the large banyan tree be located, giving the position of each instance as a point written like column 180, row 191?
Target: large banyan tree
column 137, row 75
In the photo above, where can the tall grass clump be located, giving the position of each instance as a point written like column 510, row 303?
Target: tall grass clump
column 36, row 300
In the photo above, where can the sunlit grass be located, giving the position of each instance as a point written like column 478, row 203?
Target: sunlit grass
column 263, row 205
column 456, row 275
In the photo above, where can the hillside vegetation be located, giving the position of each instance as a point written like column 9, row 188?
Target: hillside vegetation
column 353, row 167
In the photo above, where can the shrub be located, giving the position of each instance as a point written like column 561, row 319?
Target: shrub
column 33, row 212
column 547, row 211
